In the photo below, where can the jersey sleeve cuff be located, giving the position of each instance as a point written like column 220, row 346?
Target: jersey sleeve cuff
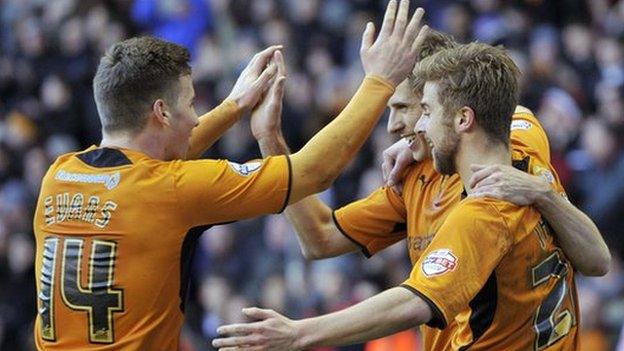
column 363, row 248
column 231, row 107
column 287, row 199
column 379, row 81
column 437, row 317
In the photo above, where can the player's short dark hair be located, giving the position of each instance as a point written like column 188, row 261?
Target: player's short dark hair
column 480, row 76
column 132, row 75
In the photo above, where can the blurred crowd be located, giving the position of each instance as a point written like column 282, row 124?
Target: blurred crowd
column 570, row 52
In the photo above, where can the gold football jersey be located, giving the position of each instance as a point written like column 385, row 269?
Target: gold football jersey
column 115, row 233
column 385, row 217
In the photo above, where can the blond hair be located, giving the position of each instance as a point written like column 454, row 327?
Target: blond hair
column 478, row 76
column 434, row 41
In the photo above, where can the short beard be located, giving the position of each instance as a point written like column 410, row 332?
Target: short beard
column 444, row 156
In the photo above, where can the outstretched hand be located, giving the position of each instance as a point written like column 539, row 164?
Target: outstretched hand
column 255, row 79
column 393, row 55
column 272, row 331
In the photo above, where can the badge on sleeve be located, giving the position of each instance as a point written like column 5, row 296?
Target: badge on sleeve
column 245, row 169
column 521, row 124
column 544, row 173
column 439, row 262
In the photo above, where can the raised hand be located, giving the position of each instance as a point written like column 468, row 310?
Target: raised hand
column 272, row 331
column 393, row 55
column 266, row 115
column 255, row 79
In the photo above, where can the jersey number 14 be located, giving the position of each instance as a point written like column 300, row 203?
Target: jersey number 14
column 99, row 300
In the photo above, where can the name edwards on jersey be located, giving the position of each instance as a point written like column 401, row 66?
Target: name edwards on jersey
column 60, row 208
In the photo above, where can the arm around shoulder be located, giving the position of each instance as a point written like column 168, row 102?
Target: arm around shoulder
column 577, row 234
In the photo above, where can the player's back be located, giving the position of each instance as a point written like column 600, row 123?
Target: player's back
column 494, row 270
column 529, row 301
column 115, row 232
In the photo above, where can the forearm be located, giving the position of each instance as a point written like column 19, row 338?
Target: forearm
column 311, row 218
column 384, row 314
column 317, row 233
column 322, row 159
column 272, row 145
column 211, row 127
column 577, row 234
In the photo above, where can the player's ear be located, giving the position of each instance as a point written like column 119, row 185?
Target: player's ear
column 161, row 113
column 465, row 119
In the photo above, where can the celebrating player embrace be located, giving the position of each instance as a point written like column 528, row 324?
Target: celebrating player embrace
column 116, row 224
column 490, row 305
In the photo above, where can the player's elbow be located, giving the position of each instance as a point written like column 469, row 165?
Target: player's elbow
column 602, row 263
column 594, row 271
column 414, row 313
column 599, row 266
column 600, row 271
column 313, row 253
column 324, row 180
column 310, row 251
column 318, row 250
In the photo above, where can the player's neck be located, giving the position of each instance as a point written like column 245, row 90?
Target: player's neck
column 476, row 151
column 141, row 142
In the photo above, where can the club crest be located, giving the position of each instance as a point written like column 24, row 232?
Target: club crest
column 245, row 169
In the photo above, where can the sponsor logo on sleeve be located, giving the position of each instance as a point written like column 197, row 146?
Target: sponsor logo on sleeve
column 439, row 262
column 521, row 124
column 245, row 169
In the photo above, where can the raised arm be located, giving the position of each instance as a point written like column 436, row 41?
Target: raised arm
column 386, row 61
column 311, row 217
column 273, row 183
column 576, row 233
column 384, row 314
column 249, row 87
column 211, row 127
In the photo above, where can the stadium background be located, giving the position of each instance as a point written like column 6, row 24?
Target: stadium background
column 570, row 51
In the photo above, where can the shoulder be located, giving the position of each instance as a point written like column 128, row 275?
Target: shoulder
column 181, row 165
column 417, row 176
column 477, row 205
column 476, row 212
column 505, row 214
column 418, row 170
column 225, row 171
column 520, row 110
column 480, row 221
column 524, row 120
column 528, row 135
column 65, row 161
